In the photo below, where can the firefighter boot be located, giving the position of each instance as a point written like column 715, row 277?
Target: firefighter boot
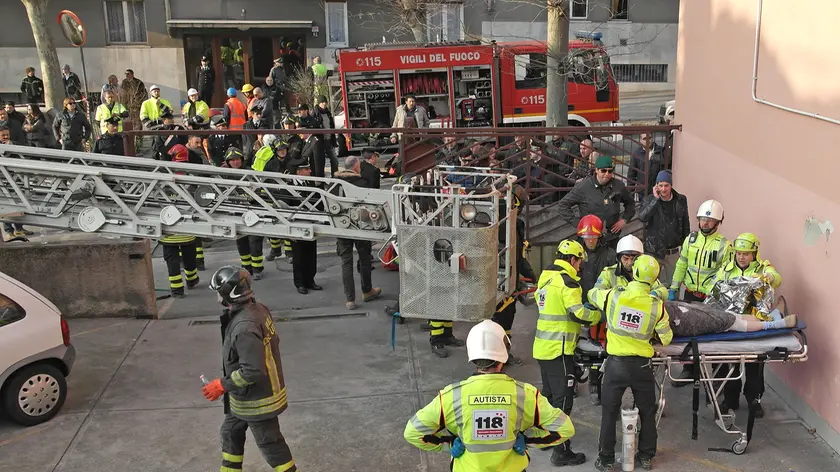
column 193, row 283
column 449, row 339
column 199, row 264
column 177, row 293
column 563, row 455
column 440, row 350
column 273, row 254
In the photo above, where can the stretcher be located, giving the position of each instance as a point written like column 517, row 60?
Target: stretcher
column 718, row 359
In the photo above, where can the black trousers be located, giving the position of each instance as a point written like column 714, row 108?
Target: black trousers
column 304, row 262
column 559, row 380
column 753, row 383
column 441, row 329
column 269, row 440
column 250, row 250
column 344, row 249
column 199, row 250
column 172, row 255
column 619, row 374
column 505, row 315
column 206, row 95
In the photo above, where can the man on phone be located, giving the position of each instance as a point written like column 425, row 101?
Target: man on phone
column 667, row 224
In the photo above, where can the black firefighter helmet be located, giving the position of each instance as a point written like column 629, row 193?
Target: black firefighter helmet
column 233, row 284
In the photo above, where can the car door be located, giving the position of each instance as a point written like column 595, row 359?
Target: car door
column 27, row 325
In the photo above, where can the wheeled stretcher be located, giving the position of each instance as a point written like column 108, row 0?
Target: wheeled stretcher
column 716, row 359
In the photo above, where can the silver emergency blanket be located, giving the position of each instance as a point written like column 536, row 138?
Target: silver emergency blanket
column 694, row 319
column 742, row 295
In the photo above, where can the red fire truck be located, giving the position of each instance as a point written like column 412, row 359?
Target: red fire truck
column 471, row 84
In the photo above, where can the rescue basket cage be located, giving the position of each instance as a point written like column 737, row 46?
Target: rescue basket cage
column 456, row 234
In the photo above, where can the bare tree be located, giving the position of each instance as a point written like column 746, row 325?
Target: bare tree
column 557, row 46
column 397, row 17
column 47, row 55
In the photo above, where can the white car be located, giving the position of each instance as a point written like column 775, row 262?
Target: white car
column 35, row 354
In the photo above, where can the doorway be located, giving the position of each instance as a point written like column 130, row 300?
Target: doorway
column 261, row 60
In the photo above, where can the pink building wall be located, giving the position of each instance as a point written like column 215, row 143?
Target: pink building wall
column 771, row 169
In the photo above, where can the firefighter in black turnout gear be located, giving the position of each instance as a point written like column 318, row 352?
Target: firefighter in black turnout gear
column 178, row 249
column 253, row 386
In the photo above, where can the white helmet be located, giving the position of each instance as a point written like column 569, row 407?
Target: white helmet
column 630, row 243
column 710, row 209
column 269, row 140
column 487, row 341
column 192, row 92
column 154, row 87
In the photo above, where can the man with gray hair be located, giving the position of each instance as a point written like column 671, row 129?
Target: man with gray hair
column 264, row 101
column 344, row 247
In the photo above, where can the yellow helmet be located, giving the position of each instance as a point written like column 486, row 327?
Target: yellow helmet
column 569, row 247
column 645, row 269
column 746, row 242
column 247, row 88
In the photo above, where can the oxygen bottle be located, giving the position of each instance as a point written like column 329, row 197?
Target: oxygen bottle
column 629, row 419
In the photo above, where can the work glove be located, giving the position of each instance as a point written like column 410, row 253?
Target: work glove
column 457, row 448
column 213, row 390
column 519, row 446
column 672, row 295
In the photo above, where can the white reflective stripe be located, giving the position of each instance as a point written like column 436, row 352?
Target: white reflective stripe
column 554, row 317
column 556, row 424
column 628, row 334
column 556, row 336
column 520, row 406
column 456, row 406
column 420, row 426
column 496, row 447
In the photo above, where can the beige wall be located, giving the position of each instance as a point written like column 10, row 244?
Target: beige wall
column 770, row 168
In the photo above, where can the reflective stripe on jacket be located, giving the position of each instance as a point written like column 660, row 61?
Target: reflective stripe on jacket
column 237, row 113
column 177, row 239
column 150, row 109
column 200, row 109
column 251, row 358
column 613, row 277
column 700, row 259
column 560, row 304
column 103, row 113
column 487, row 411
column 755, row 269
column 633, row 314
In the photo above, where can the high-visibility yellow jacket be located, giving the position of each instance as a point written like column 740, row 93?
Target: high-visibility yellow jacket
column 103, row 113
column 560, row 303
column 262, row 157
column 319, row 72
column 633, row 315
column 199, row 109
column 757, row 268
column 150, row 109
column 700, row 259
column 487, row 412
column 611, row 278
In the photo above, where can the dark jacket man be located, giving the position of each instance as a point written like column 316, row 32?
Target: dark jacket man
column 603, row 200
column 326, row 121
column 109, row 144
column 313, row 152
column 667, row 224
column 248, row 140
column 162, row 144
column 369, row 171
column 32, row 88
column 602, row 256
column 72, row 129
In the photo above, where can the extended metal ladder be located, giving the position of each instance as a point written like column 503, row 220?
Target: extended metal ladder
column 448, row 232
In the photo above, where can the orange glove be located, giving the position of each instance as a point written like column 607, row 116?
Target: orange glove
column 213, row 390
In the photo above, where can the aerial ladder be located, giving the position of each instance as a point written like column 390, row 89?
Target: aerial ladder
column 457, row 254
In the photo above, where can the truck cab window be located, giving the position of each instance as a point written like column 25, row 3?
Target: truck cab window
column 530, row 70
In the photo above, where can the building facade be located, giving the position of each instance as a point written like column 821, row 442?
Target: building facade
column 163, row 40
column 742, row 93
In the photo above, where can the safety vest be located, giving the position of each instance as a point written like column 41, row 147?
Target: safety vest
column 150, row 109
column 487, row 412
column 262, row 157
column 755, row 269
column 103, row 113
column 610, row 278
column 227, row 56
column 633, row 314
column 319, row 72
column 559, row 301
column 177, row 239
column 200, row 109
column 700, row 259
column 237, row 113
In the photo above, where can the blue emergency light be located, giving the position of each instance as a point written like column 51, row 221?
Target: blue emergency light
column 588, row 35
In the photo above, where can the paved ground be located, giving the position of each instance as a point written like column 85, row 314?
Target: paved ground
column 135, row 401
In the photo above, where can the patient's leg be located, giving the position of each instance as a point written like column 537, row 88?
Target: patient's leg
column 749, row 323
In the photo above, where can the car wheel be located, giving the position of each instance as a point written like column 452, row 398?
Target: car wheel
column 35, row 394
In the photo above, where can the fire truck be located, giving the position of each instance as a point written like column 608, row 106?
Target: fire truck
column 470, row 84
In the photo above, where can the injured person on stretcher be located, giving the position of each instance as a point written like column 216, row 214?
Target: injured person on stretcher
column 695, row 319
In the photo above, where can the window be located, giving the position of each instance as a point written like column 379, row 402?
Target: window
column 648, row 73
column 10, row 311
column 618, row 10
column 337, row 24
column 579, row 9
column 125, row 21
column 444, row 22
column 530, row 70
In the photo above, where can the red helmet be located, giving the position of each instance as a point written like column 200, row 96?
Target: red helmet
column 179, row 153
column 590, row 226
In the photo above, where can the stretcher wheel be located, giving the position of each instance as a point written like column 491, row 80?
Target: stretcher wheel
column 739, row 447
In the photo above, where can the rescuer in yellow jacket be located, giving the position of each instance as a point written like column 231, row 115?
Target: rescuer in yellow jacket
column 110, row 107
column 703, row 253
column 634, row 317
column 489, row 419
column 619, row 275
column 748, row 263
column 560, row 304
column 196, row 113
column 152, row 110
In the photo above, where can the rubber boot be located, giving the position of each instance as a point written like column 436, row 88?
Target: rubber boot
column 193, row 283
column 440, row 351
column 453, row 341
column 563, row 456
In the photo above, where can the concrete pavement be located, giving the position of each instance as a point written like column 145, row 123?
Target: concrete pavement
column 135, row 401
